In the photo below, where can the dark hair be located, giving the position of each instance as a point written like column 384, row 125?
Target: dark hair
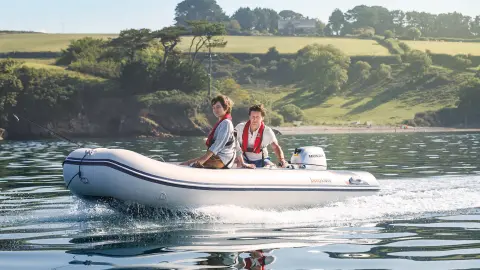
column 226, row 102
column 257, row 108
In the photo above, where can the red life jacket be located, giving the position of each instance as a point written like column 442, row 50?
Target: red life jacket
column 257, row 146
column 250, row 262
column 210, row 139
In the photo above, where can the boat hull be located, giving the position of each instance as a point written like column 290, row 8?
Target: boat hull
column 131, row 177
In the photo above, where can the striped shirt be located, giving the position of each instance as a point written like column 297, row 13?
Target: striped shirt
column 222, row 135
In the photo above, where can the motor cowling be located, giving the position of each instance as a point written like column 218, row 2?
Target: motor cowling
column 310, row 157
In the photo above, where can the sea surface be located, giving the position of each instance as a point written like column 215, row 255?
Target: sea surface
column 427, row 215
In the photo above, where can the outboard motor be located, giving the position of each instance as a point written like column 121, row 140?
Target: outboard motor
column 310, row 157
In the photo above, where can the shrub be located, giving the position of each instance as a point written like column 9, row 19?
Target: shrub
column 274, row 119
column 292, row 113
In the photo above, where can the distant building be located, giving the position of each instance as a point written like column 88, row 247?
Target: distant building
column 297, row 26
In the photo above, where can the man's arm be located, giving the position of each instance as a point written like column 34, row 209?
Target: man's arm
column 279, row 153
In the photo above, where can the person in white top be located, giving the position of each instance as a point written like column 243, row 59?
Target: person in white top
column 257, row 136
column 220, row 142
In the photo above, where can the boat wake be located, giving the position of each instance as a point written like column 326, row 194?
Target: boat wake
column 399, row 199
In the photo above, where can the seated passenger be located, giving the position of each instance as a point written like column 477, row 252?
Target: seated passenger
column 221, row 140
column 253, row 138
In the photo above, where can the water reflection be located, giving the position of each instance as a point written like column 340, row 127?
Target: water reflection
column 432, row 239
column 426, row 217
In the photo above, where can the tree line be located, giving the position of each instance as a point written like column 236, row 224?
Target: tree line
column 411, row 24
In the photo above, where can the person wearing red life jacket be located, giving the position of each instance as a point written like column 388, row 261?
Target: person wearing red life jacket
column 253, row 137
column 257, row 260
column 221, row 139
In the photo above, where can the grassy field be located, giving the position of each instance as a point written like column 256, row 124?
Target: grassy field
column 344, row 109
column 384, row 103
column 237, row 44
column 250, row 44
column 62, row 70
column 41, row 42
column 452, row 48
column 240, row 44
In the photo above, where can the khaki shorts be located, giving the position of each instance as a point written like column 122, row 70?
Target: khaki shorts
column 214, row 162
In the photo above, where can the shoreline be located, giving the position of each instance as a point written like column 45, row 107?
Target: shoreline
column 315, row 130
column 305, row 130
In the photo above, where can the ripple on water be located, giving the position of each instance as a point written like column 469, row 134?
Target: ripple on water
column 418, row 213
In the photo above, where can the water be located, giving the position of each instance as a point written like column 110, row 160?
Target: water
column 426, row 217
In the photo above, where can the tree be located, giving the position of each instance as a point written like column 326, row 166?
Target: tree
column 234, row 25
column 273, row 18
column 323, row 66
column 424, row 22
column 10, row 86
column 290, row 15
column 414, row 33
column 469, row 97
column 452, row 25
column 169, row 37
column 205, row 35
column 130, row 41
column 198, row 10
column 245, row 17
column 475, row 26
column 87, row 48
column 320, row 27
column 376, row 17
column 419, row 62
column 398, row 21
column 266, row 19
column 336, row 21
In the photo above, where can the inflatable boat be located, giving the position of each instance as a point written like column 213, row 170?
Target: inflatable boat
column 131, row 177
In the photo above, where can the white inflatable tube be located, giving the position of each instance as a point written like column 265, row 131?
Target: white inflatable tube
column 131, row 177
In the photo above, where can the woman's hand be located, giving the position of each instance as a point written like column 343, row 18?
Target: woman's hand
column 249, row 166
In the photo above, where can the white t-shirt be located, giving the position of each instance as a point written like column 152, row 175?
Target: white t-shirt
column 268, row 138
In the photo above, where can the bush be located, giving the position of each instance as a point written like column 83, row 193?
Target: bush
column 398, row 59
column 226, row 86
column 172, row 98
column 274, row 119
column 105, row 69
column 248, row 70
column 419, row 62
column 391, row 44
column 360, row 71
column 82, row 49
column 389, row 34
column 324, row 67
column 261, row 72
column 292, row 113
column 272, row 55
column 222, row 74
column 383, row 72
column 414, row 33
column 461, row 62
column 255, row 61
column 365, row 32
column 404, row 47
